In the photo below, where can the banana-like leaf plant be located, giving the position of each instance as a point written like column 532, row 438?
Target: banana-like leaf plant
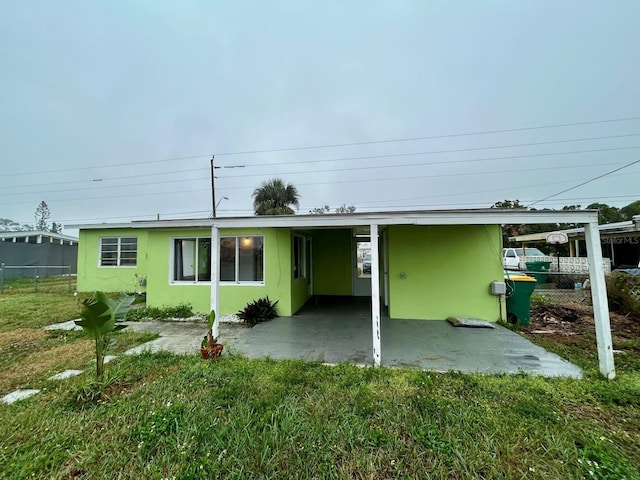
column 100, row 317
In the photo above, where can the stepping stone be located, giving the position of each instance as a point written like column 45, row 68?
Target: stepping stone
column 108, row 358
column 66, row 374
column 18, row 395
column 70, row 325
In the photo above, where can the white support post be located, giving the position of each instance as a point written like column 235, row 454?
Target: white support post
column 599, row 298
column 375, row 296
column 215, row 279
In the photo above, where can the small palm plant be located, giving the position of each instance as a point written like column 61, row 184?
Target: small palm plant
column 100, row 317
column 209, row 348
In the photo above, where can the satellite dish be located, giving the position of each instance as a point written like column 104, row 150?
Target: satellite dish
column 557, row 238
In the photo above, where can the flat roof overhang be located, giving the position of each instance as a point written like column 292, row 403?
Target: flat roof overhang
column 489, row 216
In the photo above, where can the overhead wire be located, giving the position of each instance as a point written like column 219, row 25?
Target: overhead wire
column 439, row 175
column 310, row 147
column 584, row 183
column 369, row 167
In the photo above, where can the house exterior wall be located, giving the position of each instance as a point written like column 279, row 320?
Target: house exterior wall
column 447, row 271
column 154, row 262
column 332, row 273
column 91, row 276
column 277, row 264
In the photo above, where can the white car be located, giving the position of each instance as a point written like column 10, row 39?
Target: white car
column 513, row 258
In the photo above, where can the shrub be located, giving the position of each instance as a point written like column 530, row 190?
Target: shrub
column 182, row 310
column 623, row 292
column 258, row 311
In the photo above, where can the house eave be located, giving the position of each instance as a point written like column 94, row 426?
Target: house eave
column 490, row 216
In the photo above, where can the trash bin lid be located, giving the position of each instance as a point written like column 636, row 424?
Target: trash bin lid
column 519, row 277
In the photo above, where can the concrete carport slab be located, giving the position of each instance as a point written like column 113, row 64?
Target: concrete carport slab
column 331, row 337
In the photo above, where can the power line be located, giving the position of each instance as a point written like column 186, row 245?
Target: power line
column 440, row 162
column 456, row 150
column 373, row 142
column 584, row 183
column 440, row 175
column 431, row 137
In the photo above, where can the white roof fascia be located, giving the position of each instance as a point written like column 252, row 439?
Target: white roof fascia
column 205, row 222
column 433, row 217
column 454, row 217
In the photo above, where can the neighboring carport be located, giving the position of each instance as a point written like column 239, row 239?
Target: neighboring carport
column 378, row 221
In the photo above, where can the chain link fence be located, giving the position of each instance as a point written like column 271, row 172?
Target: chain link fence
column 558, row 287
column 59, row 276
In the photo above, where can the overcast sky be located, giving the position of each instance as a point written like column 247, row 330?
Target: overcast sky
column 101, row 102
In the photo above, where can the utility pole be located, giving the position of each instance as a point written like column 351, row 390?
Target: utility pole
column 213, row 190
column 213, row 185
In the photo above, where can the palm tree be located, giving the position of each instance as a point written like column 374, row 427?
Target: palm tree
column 273, row 197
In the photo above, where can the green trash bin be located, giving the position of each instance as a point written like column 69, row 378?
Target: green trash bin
column 519, row 290
column 539, row 266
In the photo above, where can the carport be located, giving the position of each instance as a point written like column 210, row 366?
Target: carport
column 382, row 332
column 341, row 333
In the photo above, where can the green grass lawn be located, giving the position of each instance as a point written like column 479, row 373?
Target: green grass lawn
column 167, row 416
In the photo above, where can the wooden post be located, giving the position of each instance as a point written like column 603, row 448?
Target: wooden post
column 599, row 298
column 375, row 296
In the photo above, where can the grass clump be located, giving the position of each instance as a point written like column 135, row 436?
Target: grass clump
column 182, row 310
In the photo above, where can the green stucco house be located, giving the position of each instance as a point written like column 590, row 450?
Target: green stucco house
column 416, row 265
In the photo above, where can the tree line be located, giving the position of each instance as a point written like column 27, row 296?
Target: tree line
column 41, row 222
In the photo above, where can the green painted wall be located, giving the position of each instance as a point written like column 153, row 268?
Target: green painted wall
column 92, row 277
column 448, row 271
column 277, row 268
column 154, row 257
column 300, row 286
column 277, row 285
column 332, row 262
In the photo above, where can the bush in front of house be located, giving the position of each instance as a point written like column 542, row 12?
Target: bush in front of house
column 623, row 292
column 182, row 310
column 258, row 311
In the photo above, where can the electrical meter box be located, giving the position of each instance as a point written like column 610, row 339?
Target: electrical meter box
column 498, row 288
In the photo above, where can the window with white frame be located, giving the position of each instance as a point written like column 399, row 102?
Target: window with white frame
column 118, row 251
column 242, row 259
column 191, row 260
column 299, row 257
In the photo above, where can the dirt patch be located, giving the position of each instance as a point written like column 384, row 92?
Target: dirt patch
column 575, row 319
column 21, row 336
column 28, row 355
